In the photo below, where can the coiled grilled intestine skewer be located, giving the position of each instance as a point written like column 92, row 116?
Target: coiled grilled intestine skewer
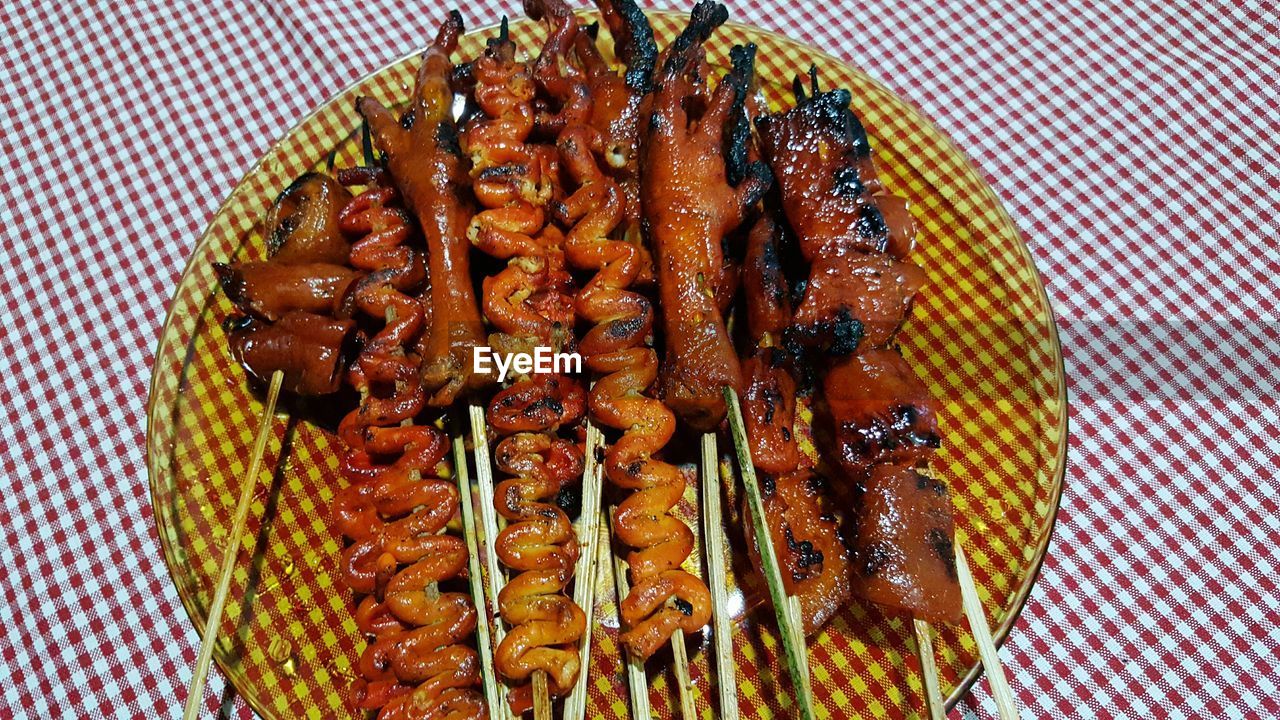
column 665, row 598
column 528, row 303
column 396, row 507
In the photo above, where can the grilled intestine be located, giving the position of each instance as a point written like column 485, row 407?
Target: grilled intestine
column 528, row 303
column 402, row 559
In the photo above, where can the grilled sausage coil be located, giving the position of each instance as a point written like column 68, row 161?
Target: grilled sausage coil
column 395, row 509
column 528, row 302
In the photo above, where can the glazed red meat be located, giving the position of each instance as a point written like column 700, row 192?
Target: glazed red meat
column 875, row 420
column 302, row 225
column 903, row 550
column 855, row 300
column 690, row 206
column 804, row 531
column 269, row 290
column 822, row 163
column 878, row 412
column 309, row 349
column 422, row 153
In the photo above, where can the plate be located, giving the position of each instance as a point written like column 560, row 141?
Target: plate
column 982, row 335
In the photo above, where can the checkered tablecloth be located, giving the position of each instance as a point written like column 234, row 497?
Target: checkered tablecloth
column 1134, row 143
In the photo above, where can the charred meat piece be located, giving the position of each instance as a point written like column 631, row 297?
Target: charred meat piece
column 302, row 225
column 878, row 412
column 822, row 161
column 804, row 530
column 269, row 290
column 903, row 549
column 309, row 349
column 853, row 301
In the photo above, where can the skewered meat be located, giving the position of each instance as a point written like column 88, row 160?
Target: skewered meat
column 664, row 598
column 309, row 349
column 689, row 206
column 395, row 510
column 851, row 232
column 422, row 154
column 876, row 420
column 805, row 534
column 268, row 290
column 289, row 302
column 528, row 302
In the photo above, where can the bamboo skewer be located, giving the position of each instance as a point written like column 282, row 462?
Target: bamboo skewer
column 1000, row 691
column 929, row 671
column 210, row 635
column 712, row 530
column 795, row 650
column 497, row 577
column 588, row 529
column 684, row 684
column 492, row 693
column 636, row 681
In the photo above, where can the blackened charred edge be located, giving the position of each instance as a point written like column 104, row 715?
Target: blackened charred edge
column 455, row 24
column 640, row 50
column 684, row 606
column 499, row 172
column 843, row 334
column 232, row 282
column 280, row 233
column 848, row 182
column 942, row 544
column 569, row 499
column 237, row 323
column 871, row 226
column 447, row 138
column 742, row 58
column 875, row 556
column 924, row 482
column 625, row 327
column 846, row 334
column 705, row 17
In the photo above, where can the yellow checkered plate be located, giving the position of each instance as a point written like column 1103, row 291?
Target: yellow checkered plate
column 982, row 335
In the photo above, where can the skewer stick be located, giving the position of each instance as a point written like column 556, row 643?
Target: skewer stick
column 1000, row 691
column 493, row 695
column 636, row 681
column 684, row 683
column 497, row 577
column 209, row 637
column 797, row 621
column 584, row 588
column 929, row 671
column 712, row 531
column 793, row 644
column 541, row 696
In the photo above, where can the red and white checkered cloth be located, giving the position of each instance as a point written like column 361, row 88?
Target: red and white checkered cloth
column 1134, row 143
